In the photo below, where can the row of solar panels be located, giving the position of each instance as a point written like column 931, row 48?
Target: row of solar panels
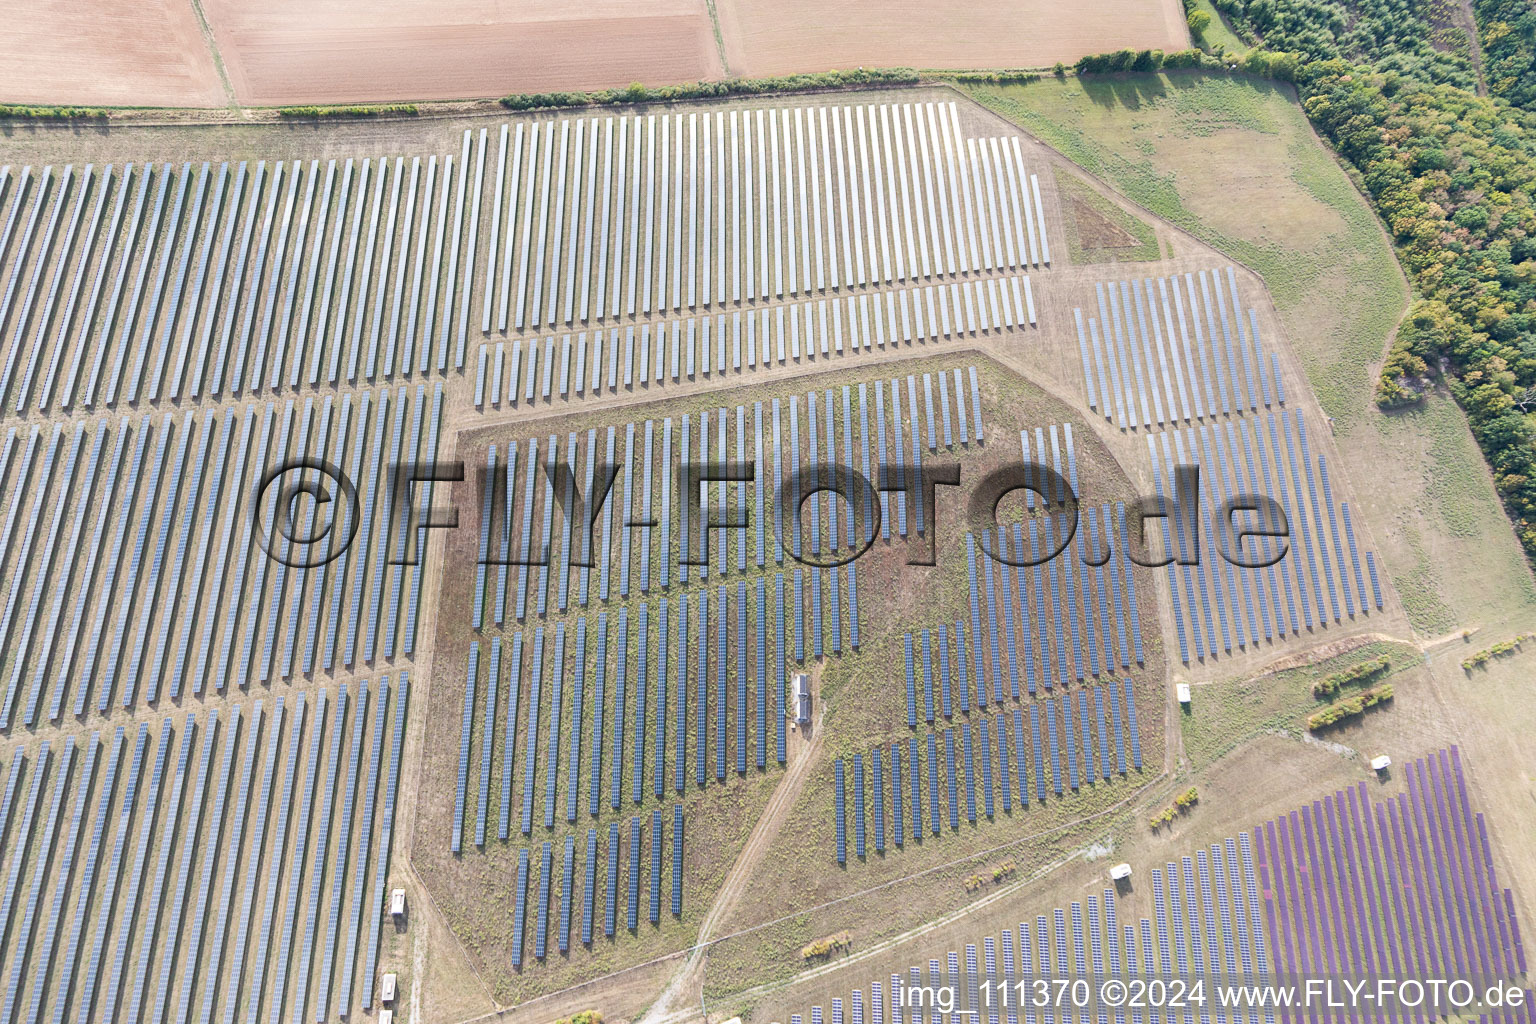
column 570, row 367
column 138, row 564
column 1084, row 603
column 1354, row 883
column 1057, row 744
column 720, row 644
column 236, row 861
column 215, row 286
column 610, row 216
column 521, row 492
column 556, row 912
column 1283, row 594
column 1140, row 378
column 149, row 283
column 1358, row 881
column 1215, row 927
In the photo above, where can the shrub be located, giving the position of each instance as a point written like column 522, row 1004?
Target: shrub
column 635, row 92
column 405, row 109
column 1363, row 672
column 1499, row 650
column 1349, row 707
column 584, row 1017
column 24, row 113
column 1199, row 21
column 825, row 947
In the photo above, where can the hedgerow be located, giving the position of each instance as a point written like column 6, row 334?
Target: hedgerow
column 638, row 93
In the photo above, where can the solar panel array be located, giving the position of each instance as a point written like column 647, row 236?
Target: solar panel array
column 821, row 332
column 1363, row 881
column 163, row 585
column 1317, row 582
column 992, row 753
column 1357, row 884
column 146, row 282
column 540, row 700
column 558, row 900
column 1165, row 351
column 222, row 860
column 532, row 561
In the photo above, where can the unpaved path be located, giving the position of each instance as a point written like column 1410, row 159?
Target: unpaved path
column 687, row 985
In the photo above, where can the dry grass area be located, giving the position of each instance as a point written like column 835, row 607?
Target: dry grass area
column 810, row 35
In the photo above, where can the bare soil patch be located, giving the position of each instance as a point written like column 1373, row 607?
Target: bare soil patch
column 813, row 35
column 343, row 51
column 116, row 52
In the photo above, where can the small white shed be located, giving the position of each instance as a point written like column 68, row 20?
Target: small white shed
column 387, row 988
column 1182, row 689
column 1380, row 763
column 397, row 903
column 1120, row 872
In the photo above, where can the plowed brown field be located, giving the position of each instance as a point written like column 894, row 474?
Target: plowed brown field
column 154, row 52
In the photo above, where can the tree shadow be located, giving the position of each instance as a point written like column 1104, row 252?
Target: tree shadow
column 1129, row 90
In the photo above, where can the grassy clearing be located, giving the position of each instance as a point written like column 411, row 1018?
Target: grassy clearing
column 1223, row 716
column 1098, row 230
column 1218, row 35
column 1234, row 162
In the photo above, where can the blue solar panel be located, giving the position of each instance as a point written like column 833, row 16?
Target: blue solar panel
column 661, row 684
column 927, row 656
column 952, row 778
column 946, row 701
column 541, row 927
column 1098, row 702
column 611, row 906
column 599, row 707
column 1115, row 722
column 1068, row 739
column 519, row 908
column 677, row 860
column 578, row 703
column 1085, row 729
column 1012, row 644
column 840, row 821
column 632, row 919
column 556, row 706
column 969, row 752
column 858, row 805
column 759, row 634
column 637, row 757
column 933, row 782
column 816, row 643
column 656, row 840
column 1039, row 749
column 467, row 727
column 1130, row 716
column 898, row 824
column 536, row 676
column 781, row 679
column 877, row 768
column 853, row 607
column 742, row 668
column 985, row 738
column 680, row 696
column 567, row 893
